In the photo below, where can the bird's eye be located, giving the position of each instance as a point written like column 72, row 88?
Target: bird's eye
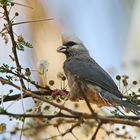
column 70, row 43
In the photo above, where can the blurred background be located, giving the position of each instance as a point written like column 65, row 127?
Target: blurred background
column 108, row 28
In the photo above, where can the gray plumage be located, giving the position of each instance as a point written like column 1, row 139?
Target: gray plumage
column 101, row 89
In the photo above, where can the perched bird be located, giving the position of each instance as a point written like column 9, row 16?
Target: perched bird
column 99, row 87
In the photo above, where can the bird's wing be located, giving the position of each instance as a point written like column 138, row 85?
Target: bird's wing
column 89, row 71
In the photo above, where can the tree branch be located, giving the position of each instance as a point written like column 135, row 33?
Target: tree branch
column 10, row 31
column 105, row 119
column 7, row 98
column 58, row 115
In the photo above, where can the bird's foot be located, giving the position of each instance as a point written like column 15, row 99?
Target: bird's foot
column 62, row 93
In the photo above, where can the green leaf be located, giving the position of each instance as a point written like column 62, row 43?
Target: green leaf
column 20, row 47
column 2, row 110
column 47, row 107
column 27, row 44
column 4, row 2
column 29, row 110
column 10, row 78
column 12, row 58
column 6, row 39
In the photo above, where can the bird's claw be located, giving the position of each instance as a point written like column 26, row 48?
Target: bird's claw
column 58, row 92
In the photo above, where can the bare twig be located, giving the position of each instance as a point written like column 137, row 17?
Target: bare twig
column 21, row 132
column 23, row 77
column 71, row 129
column 7, row 98
column 32, row 21
column 21, row 5
column 96, row 131
column 58, row 115
column 66, row 132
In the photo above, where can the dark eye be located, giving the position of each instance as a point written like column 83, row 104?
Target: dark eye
column 70, row 43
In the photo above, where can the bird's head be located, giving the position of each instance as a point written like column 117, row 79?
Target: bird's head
column 72, row 46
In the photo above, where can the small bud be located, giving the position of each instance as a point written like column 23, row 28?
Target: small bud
column 125, row 83
column 63, row 78
column 126, row 110
column 76, row 105
column 60, row 76
column 118, row 77
column 134, row 82
column 51, row 82
column 125, row 76
column 16, row 14
column 58, row 100
column 27, row 72
column 123, row 127
column 117, row 129
column 20, row 39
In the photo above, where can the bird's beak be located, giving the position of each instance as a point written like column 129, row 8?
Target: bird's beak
column 61, row 49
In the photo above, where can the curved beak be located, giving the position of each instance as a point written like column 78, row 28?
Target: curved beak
column 62, row 49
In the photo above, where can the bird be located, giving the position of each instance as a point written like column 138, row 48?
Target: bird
column 98, row 86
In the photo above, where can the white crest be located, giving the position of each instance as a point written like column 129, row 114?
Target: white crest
column 66, row 37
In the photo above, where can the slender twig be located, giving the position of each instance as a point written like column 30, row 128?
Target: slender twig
column 7, row 98
column 23, row 77
column 21, row 132
column 71, row 129
column 32, row 21
column 2, row 30
column 74, row 136
column 50, row 138
column 58, row 115
column 66, row 121
column 22, row 5
column 57, row 127
column 96, row 131
column 66, row 132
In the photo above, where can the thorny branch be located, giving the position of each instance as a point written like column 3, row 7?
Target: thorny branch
column 25, row 78
column 132, row 121
column 31, row 21
column 11, row 33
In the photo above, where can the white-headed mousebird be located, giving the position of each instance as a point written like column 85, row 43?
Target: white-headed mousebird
column 100, row 87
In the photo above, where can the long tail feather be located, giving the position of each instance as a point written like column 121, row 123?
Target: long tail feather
column 125, row 103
